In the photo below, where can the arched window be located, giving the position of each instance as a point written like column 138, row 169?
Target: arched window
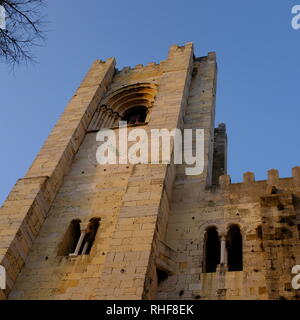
column 234, row 249
column 211, row 250
column 135, row 115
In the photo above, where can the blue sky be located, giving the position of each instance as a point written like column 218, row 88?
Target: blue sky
column 258, row 81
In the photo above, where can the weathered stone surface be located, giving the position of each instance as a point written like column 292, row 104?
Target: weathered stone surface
column 153, row 217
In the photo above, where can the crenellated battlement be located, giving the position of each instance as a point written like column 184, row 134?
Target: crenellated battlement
column 157, row 67
column 272, row 185
column 139, row 67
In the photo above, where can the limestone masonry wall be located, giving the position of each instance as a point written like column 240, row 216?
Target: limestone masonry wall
column 154, row 219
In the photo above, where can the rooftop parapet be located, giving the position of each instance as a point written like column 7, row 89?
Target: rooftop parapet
column 296, row 175
column 273, row 176
column 139, row 67
column 224, row 180
column 174, row 51
column 248, row 177
column 273, row 182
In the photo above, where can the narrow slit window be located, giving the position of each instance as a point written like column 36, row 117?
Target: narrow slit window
column 161, row 275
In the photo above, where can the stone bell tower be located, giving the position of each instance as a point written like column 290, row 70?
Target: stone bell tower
column 46, row 219
column 75, row 229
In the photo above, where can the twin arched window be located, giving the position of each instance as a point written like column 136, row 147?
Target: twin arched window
column 232, row 250
column 79, row 239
